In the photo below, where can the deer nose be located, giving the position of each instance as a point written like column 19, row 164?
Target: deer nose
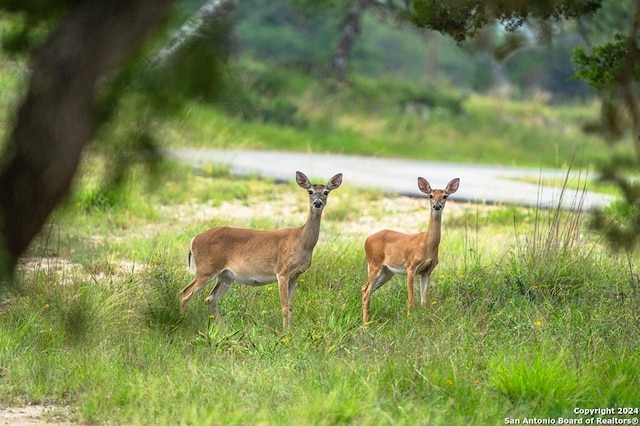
column 437, row 207
column 317, row 203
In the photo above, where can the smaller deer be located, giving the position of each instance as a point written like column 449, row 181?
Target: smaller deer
column 258, row 257
column 390, row 252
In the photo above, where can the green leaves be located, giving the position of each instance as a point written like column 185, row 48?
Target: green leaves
column 461, row 19
column 605, row 65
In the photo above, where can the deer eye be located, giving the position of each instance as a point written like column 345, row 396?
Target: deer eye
column 430, row 195
column 310, row 191
column 444, row 197
column 326, row 192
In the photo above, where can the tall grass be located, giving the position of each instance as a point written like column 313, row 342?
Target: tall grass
column 530, row 316
column 531, row 327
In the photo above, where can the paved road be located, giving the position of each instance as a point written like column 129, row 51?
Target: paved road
column 478, row 183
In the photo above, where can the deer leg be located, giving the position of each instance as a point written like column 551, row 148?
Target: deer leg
column 410, row 281
column 424, row 284
column 221, row 287
column 285, row 304
column 376, row 280
column 291, row 292
column 195, row 287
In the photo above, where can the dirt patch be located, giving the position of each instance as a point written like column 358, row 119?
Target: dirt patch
column 40, row 415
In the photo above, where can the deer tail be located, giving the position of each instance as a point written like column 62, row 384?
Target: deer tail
column 192, row 262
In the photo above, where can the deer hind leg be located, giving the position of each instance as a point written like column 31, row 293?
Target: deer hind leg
column 195, row 287
column 377, row 277
column 221, row 287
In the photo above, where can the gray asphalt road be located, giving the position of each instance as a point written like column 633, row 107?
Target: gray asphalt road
column 478, row 183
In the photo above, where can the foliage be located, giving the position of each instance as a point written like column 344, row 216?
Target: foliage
column 604, row 66
column 614, row 69
column 380, row 117
column 103, row 334
column 461, row 19
column 620, row 222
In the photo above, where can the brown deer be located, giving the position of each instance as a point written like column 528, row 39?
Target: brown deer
column 254, row 257
column 391, row 252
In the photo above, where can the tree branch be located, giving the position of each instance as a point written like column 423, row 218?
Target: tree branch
column 210, row 10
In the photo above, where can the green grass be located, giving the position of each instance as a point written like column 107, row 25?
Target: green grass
column 526, row 320
column 530, row 315
column 366, row 117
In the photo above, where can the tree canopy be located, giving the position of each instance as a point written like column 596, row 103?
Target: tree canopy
column 461, row 19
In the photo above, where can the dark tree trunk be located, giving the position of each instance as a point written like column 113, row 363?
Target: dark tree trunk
column 56, row 120
column 350, row 32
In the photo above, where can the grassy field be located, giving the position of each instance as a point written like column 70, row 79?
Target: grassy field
column 531, row 317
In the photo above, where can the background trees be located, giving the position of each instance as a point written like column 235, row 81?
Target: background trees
column 83, row 63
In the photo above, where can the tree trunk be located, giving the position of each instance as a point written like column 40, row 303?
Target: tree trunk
column 56, row 120
column 350, row 32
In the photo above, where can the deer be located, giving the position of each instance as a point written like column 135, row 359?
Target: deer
column 414, row 255
column 255, row 257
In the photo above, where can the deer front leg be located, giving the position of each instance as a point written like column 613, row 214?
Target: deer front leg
column 410, row 280
column 285, row 304
column 291, row 292
column 424, row 284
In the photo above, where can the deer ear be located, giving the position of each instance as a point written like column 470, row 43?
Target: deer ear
column 424, row 186
column 452, row 186
column 334, row 182
column 303, row 180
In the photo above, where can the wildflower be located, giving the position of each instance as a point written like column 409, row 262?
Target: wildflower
column 270, row 288
column 538, row 323
column 449, row 382
column 434, row 302
column 285, row 340
column 373, row 373
column 212, row 317
column 46, row 306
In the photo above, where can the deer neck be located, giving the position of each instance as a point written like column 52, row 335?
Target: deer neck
column 311, row 230
column 432, row 236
